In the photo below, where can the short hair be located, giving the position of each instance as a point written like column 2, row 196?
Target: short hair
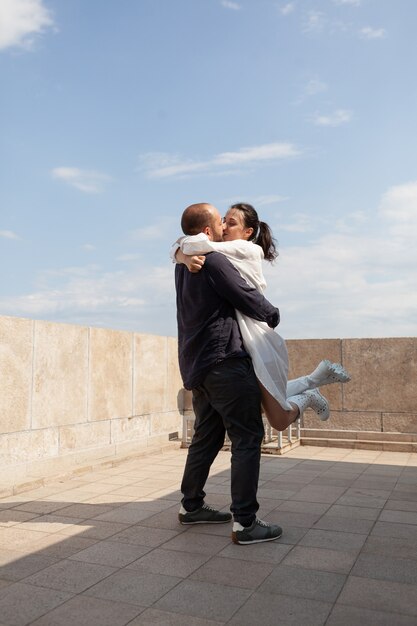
column 196, row 217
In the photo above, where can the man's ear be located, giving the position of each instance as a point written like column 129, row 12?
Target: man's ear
column 207, row 231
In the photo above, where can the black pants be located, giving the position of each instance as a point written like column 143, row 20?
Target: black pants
column 229, row 399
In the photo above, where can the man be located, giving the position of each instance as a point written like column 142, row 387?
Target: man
column 226, row 395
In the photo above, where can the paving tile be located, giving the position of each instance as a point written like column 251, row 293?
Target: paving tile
column 60, row 546
column 356, row 512
column 349, row 615
column 380, row 595
column 303, row 583
column 362, row 501
column 400, row 505
column 202, row 599
column 165, row 519
column 125, row 515
column 19, row 538
column 272, row 609
column 154, row 617
column 71, row 576
column 294, row 506
column 399, row 517
column 287, row 519
column 11, row 517
column 84, row 510
column 41, row 507
column 393, row 547
column 398, row 530
column 321, row 559
column 319, row 494
column 21, row 603
column 94, row 529
column 344, row 524
column 378, row 566
column 333, row 540
column 50, row 523
column 198, row 543
column 144, row 536
column 270, row 552
column 234, row 572
column 133, row 587
column 15, row 565
column 110, row 553
column 85, row 611
column 169, row 562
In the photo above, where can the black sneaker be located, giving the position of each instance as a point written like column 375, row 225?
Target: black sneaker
column 257, row 532
column 205, row 515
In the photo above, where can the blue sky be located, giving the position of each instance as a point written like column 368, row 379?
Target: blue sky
column 117, row 115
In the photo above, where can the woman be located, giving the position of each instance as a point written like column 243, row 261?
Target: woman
column 246, row 241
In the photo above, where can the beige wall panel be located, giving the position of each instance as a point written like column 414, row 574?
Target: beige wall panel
column 81, row 436
column 166, row 423
column 173, row 397
column 60, row 374
column 345, row 420
column 130, row 428
column 399, row 422
column 150, row 373
column 28, row 446
column 110, row 374
column 384, row 374
column 16, row 349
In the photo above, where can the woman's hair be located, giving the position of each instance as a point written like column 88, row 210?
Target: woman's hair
column 262, row 234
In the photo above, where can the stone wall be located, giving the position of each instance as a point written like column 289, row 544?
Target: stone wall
column 71, row 396
column 382, row 395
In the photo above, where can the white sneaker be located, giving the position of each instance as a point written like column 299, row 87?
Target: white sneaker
column 312, row 399
column 327, row 373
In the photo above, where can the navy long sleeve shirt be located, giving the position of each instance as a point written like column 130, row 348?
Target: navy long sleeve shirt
column 208, row 332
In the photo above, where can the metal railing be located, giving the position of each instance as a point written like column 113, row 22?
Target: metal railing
column 273, row 439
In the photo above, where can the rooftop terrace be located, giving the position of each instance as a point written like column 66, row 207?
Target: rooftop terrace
column 106, row 549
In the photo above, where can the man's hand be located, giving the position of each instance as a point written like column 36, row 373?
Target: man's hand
column 194, row 263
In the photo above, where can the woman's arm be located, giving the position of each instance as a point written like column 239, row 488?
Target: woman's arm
column 193, row 262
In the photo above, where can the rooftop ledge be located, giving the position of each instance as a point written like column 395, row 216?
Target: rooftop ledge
column 73, row 397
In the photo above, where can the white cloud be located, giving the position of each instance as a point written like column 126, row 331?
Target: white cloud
column 358, row 283
column 88, row 247
column 351, row 2
column 163, row 228
column 161, row 165
column 8, row 234
column 21, row 21
column 137, row 299
column 341, row 116
column 227, row 4
column 315, row 86
column 314, row 22
column 288, row 8
column 372, row 33
column 88, row 181
column 300, row 223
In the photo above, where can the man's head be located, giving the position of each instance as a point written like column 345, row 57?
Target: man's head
column 202, row 218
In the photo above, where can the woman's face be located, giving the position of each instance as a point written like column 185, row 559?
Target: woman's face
column 234, row 226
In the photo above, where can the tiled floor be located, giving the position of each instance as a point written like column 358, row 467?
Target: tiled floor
column 106, row 549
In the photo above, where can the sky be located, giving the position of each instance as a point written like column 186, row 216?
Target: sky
column 115, row 116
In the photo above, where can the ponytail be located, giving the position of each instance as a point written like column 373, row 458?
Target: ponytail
column 262, row 234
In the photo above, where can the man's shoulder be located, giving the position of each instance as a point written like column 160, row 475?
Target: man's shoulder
column 216, row 259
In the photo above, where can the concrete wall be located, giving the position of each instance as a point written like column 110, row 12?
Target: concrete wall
column 71, row 396
column 382, row 395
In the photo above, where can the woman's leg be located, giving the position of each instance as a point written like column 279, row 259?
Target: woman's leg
column 325, row 373
column 278, row 417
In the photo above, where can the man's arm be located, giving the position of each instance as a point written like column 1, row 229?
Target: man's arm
column 228, row 283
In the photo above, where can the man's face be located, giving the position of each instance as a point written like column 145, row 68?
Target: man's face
column 216, row 226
